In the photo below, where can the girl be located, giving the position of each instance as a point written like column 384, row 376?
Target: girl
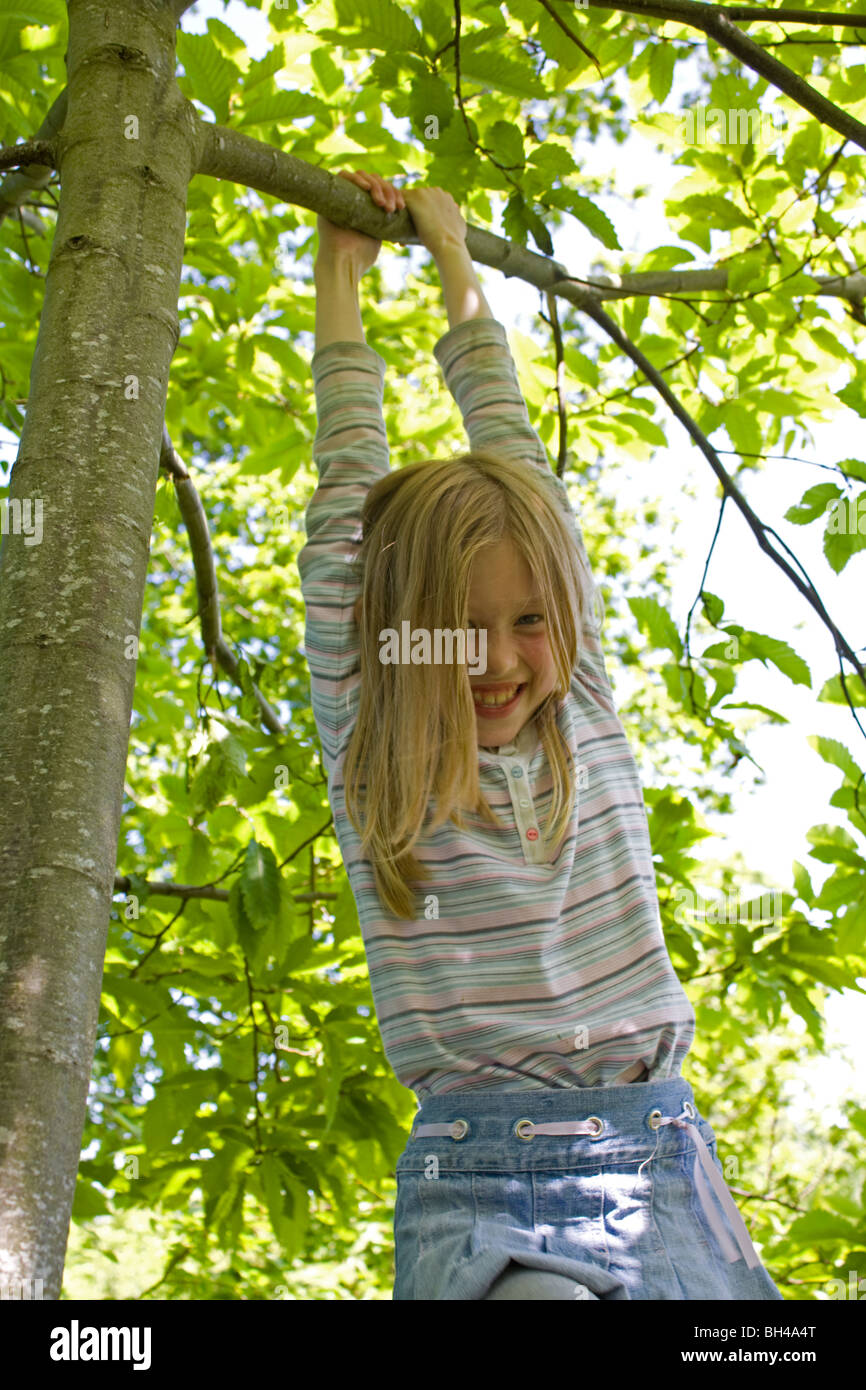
column 493, row 829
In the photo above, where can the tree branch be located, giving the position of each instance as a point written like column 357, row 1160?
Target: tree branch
column 740, row 14
column 204, row 564
column 228, row 154
column 687, row 282
column 18, row 187
column 714, row 22
column 206, row 890
column 28, row 152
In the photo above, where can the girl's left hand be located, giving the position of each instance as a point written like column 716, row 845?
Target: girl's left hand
column 337, row 241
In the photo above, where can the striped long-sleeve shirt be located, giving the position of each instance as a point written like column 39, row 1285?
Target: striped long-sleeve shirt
column 537, row 971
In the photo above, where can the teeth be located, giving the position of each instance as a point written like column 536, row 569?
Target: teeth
column 500, row 698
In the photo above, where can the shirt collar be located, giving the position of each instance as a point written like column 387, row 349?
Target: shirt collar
column 523, row 746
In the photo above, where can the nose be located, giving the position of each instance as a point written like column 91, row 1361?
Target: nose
column 502, row 662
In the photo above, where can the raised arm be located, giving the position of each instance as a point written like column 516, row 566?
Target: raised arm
column 350, row 451
column 442, row 229
column 480, row 373
column 343, row 257
column 474, row 355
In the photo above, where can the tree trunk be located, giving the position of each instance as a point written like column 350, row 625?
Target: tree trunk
column 72, row 575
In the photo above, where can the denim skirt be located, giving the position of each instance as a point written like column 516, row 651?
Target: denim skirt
column 619, row 1188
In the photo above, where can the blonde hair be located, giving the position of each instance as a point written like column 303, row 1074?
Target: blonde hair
column 415, row 743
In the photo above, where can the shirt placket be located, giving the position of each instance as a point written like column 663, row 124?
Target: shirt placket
column 531, row 839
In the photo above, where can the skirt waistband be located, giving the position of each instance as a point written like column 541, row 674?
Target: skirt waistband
column 469, row 1130
column 624, row 1109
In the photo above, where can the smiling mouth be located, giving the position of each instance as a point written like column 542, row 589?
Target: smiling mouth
column 497, row 697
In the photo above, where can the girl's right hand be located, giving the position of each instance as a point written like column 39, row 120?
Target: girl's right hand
column 337, row 241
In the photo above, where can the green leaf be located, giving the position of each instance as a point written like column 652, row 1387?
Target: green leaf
column 88, row 1201
column 552, row 160
column 713, row 209
column 657, row 623
column 436, row 23
column 812, row 503
column 514, row 219
column 540, row 234
column 803, row 883
column 854, row 397
column 330, row 76
column 123, row 1054
column 506, row 142
column 430, row 96
column 833, row 845
column 745, row 271
column 245, row 929
column 270, row 1177
column 773, row 715
column 495, row 70
column 818, row 1226
column 644, row 428
column 210, row 77
column 853, row 468
column 685, row 687
column 586, row 212
column 758, row 647
column 260, row 884
column 334, row 1073
column 661, row 69
column 264, row 69
column 224, row 37
column 834, row 752
column 366, row 23
column 278, row 108
column 846, row 531
column 712, row 606
column 664, row 258
column 832, row 692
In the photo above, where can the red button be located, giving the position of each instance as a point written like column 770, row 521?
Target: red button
column 532, row 834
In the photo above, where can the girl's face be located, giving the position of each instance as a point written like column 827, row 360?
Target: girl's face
column 504, row 600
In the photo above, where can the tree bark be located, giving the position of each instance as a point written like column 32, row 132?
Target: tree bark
column 71, row 598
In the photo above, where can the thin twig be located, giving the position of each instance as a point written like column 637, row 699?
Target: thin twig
column 566, row 29
column 560, row 385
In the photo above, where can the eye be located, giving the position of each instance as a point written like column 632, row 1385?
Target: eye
column 532, row 618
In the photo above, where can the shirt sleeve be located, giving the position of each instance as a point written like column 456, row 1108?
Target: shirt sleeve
column 480, row 373
column 350, row 451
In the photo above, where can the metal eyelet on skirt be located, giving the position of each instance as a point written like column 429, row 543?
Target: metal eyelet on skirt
column 689, row 1109
column 459, row 1129
column 520, row 1126
column 654, row 1115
